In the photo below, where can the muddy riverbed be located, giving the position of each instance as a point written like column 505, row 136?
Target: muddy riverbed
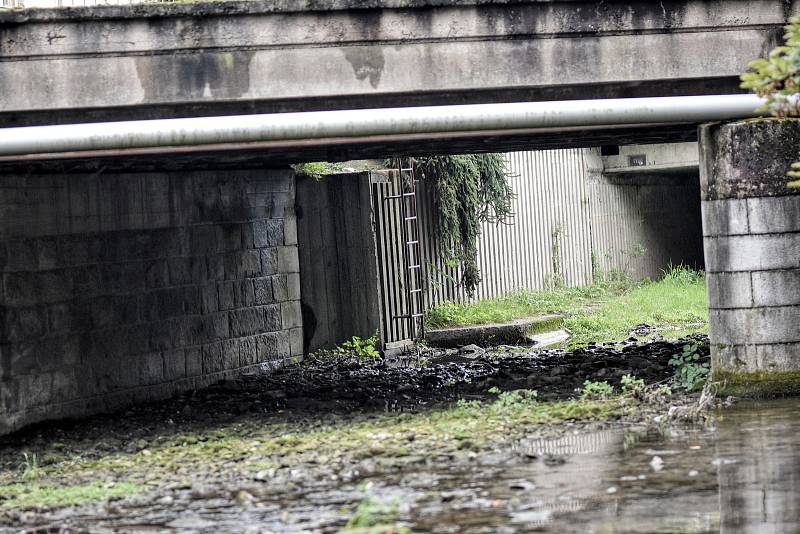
column 421, row 446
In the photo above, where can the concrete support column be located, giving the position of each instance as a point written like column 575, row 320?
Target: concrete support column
column 751, row 229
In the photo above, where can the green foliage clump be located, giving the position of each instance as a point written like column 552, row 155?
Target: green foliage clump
column 691, row 373
column 633, row 386
column 365, row 349
column 510, row 403
column 777, row 78
column 468, row 190
column 373, row 513
column 596, row 390
column 316, row 169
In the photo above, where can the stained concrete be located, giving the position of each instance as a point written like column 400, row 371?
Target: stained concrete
column 752, row 249
column 217, row 58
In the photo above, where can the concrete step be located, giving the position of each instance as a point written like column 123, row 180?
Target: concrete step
column 548, row 340
column 511, row 333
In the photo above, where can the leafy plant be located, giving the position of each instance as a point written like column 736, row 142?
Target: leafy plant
column 365, row 349
column 691, row 372
column 512, row 402
column 777, row 77
column 633, row 386
column 467, row 191
column 596, row 390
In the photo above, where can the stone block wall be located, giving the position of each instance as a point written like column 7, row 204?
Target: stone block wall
column 118, row 288
column 751, row 229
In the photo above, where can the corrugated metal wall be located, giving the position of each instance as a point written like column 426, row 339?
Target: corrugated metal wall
column 567, row 216
column 547, row 242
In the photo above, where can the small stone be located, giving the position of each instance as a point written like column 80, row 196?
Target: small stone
column 657, row 463
column 694, row 473
column 243, row 497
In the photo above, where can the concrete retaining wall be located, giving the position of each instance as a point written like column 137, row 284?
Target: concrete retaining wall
column 337, row 259
column 751, row 228
column 119, row 288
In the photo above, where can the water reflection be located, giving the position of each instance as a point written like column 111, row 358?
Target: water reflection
column 741, row 476
column 758, row 468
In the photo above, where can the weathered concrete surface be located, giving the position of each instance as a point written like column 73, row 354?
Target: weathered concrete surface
column 167, row 60
column 751, row 226
column 119, row 288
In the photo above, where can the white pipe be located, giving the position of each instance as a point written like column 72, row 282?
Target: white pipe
column 412, row 121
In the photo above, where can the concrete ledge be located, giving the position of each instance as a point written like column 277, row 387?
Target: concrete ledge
column 757, row 384
column 752, row 358
column 514, row 332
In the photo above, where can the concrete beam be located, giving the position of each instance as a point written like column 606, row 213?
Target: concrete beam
column 168, row 60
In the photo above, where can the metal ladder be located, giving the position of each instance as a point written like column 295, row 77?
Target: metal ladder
column 412, row 250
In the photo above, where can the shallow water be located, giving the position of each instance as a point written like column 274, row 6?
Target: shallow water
column 743, row 475
column 740, row 475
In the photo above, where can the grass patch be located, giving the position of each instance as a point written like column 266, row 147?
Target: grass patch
column 676, row 305
column 35, row 495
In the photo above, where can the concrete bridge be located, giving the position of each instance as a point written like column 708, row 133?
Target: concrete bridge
column 128, row 279
column 179, row 60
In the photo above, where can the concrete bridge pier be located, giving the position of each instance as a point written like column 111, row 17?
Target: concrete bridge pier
column 751, row 234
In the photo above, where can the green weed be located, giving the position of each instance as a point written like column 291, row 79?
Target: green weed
column 596, row 390
column 691, row 373
column 31, row 495
column 633, row 386
column 30, row 467
column 374, row 515
column 365, row 349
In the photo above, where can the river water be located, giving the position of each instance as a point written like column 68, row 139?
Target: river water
column 740, row 475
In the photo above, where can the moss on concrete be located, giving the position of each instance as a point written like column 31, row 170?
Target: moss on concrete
column 547, row 324
column 758, row 384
